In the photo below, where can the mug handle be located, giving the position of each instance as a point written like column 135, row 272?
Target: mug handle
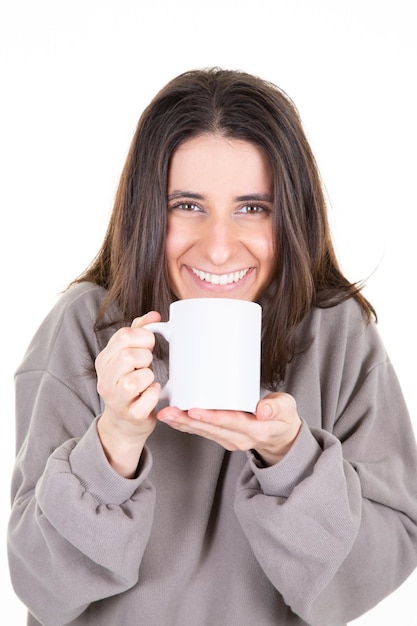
column 163, row 329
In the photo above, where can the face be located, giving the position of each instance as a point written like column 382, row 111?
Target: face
column 220, row 236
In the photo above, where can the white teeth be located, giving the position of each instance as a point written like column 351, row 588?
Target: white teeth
column 220, row 279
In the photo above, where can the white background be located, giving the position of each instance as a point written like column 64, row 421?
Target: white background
column 75, row 76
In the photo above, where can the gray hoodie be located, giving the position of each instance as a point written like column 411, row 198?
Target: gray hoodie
column 203, row 536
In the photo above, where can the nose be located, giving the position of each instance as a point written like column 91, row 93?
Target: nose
column 220, row 240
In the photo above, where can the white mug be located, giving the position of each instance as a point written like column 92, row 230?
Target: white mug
column 214, row 353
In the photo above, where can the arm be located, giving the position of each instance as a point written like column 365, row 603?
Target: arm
column 339, row 513
column 73, row 518
column 78, row 528
column 333, row 519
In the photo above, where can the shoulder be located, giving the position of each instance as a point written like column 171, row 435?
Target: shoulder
column 344, row 328
column 68, row 329
column 348, row 313
column 346, row 318
column 83, row 298
column 76, row 308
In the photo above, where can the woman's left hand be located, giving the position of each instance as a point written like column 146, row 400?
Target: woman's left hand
column 271, row 431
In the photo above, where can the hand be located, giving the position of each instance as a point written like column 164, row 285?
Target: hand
column 125, row 381
column 271, row 431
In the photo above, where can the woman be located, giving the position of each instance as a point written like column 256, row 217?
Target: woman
column 304, row 513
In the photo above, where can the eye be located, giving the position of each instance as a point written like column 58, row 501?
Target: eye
column 185, row 206
column 253, row 209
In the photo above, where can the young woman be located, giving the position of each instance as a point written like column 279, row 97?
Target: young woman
column 127, row 511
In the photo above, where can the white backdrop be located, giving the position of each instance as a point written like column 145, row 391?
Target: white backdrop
column 75, row 77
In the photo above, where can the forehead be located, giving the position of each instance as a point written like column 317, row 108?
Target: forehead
column 213, row 159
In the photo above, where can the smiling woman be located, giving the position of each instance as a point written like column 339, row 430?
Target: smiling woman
column 127, row 510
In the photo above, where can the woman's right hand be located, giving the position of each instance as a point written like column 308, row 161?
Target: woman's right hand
column 125, row 381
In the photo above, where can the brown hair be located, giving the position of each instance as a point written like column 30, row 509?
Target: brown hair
column 131, row 264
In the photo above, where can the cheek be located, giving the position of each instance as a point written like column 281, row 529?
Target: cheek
column 176, row 244
column 171, row 254
column 263, row 247
column 180, row 237
column 172, row 244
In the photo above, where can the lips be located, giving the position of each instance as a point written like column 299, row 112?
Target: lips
column 220, row 279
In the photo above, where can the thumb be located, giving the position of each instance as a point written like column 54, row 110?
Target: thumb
column 264, row 411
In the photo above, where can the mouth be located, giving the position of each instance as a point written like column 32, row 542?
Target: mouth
column 220, row 279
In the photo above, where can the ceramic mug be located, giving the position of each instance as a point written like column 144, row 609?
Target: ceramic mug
column 214, row 353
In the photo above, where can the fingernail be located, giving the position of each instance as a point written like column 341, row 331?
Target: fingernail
column 138, row 321
column 194, row 414
column 267, row 411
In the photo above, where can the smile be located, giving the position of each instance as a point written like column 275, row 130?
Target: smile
column 220, row 279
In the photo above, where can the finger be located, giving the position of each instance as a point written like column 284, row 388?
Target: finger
column 146, row 402
column 119, row 351
column 236, row 439
column 276, row 406
column 206, row 420
column 137, row 404
column 148, row 318
column 265, row 411
column 170, row 413
column 225, row 418
column 134, row 384
column 122, row 370
column 133, row 336
column 129, row 361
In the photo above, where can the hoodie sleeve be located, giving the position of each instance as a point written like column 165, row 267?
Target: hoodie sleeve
column 64, row 492
column 334, row 524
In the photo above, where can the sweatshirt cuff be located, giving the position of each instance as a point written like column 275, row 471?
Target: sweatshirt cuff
column 89, row 464
column 280, row 479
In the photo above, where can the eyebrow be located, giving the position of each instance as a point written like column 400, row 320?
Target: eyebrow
column 185, row 194
column 258, row 197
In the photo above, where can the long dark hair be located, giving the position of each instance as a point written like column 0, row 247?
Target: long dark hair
column 131, row 263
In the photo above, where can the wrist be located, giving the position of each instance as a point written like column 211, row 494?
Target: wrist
column 123, row 453
column 270, row 455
